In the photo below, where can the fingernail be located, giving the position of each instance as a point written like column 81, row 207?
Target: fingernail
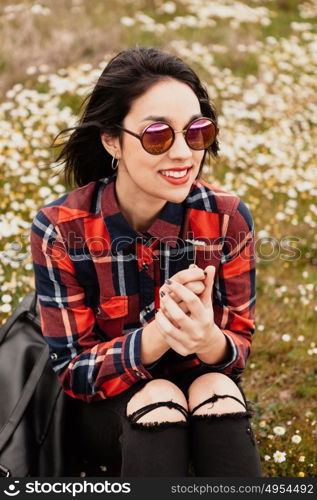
column 162, row 293
column 168, row 282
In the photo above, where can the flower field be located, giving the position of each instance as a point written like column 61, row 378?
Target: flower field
column 258, row 60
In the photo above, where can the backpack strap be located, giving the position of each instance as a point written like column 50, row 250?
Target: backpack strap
column 33, row 305
column 28, row 391
column 26, row 308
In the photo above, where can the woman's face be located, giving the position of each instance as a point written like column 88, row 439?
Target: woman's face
column 139, row 171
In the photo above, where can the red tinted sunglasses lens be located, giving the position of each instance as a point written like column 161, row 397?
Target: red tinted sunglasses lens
column 157, row 138
column 201, row 134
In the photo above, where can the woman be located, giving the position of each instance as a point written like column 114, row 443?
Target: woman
column 148, row 329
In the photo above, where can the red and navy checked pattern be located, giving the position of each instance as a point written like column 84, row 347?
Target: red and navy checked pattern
column 98, row 282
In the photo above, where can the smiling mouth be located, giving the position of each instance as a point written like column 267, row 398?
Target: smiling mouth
column 180, row 177
column 176, row 174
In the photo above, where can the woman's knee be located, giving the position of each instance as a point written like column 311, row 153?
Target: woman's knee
column 215, row 384
column 156, row 391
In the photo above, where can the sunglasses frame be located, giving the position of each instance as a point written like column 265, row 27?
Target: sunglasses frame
column 184, row 132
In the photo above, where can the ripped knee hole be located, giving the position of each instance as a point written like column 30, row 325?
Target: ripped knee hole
column 135, row 416
column 247, row 411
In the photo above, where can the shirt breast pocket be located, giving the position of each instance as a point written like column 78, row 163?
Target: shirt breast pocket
column 111, row 314
column 209, row 257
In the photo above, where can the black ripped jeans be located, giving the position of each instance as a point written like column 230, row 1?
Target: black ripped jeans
column 205, row 445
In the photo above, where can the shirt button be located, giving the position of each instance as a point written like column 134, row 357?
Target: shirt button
column 53, row 355
column 145, row 265
column 138, row 374
column 148, row 309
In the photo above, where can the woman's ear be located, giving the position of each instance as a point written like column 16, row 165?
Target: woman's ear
column 111, row 144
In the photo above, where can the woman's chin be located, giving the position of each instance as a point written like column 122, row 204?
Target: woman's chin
column 179, row 195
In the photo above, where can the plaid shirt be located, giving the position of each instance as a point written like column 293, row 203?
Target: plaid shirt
column 98, row 282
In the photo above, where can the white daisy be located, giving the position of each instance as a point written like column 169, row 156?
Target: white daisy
column 286, row 337
column 279, row 456
column 279, row 430
column 296, row 438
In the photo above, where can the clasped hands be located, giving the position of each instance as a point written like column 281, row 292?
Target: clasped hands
column 185, row 318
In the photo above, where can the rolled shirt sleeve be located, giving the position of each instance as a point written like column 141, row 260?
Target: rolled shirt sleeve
column 234, row 294
column 87, row 367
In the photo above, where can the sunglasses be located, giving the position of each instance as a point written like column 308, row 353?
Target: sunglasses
column 157, row 138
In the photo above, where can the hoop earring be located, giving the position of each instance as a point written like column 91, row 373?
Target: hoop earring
column 114, row 167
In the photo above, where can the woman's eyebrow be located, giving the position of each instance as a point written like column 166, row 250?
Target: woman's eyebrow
column 167, row 119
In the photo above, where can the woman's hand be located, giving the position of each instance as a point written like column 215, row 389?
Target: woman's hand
column 192, row 332
column 192, row 278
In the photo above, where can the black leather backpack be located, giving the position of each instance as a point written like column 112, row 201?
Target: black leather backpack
column 32, row 402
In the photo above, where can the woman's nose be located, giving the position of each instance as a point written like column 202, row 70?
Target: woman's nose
column 180, row 147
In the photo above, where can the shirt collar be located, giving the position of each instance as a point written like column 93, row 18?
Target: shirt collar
column 165, row 227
